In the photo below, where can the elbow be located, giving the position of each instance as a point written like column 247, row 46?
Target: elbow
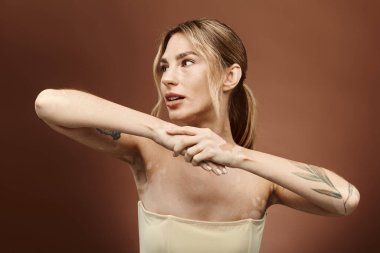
column 351, row 202
column 45, row 103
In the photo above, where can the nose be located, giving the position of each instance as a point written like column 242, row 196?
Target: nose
column 169, row 77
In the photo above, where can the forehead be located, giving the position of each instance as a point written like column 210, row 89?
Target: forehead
column 178, row 44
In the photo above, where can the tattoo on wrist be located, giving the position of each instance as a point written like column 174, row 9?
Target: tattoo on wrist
column 114, row 134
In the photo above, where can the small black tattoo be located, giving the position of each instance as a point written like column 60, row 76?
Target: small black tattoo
column 114, row 134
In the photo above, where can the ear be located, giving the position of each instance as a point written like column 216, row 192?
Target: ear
column 233, row 75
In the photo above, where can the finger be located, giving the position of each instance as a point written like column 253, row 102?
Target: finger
column 192, row 151
column 205, row 166
column 183, row 143
column 203, row 155
column 215, row 169
column 187, row 157
column 219, row 168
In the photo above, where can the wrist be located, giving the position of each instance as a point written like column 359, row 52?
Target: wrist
column 234, row 156
column 156, row 130
column 241, row 158
column 159, row 134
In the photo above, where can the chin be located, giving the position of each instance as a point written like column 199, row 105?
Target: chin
column 190, row 115
column 182, row 117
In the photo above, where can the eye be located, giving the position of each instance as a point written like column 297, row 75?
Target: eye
column 163, row 68
column 187, row 62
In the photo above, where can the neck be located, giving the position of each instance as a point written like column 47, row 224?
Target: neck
column 219, row 125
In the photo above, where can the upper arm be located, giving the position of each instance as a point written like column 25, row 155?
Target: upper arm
column 122, row 146
column 283, row 196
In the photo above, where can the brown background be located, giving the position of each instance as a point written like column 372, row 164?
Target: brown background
column 314, row 68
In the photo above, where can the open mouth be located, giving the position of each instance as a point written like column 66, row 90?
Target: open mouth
column 173, row 97
column 173, row 100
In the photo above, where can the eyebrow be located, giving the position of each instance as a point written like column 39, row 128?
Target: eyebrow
column 179, row 56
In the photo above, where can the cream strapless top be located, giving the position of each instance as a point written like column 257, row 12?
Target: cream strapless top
column 170, row 234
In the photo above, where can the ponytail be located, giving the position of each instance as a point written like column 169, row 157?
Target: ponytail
column 242, row 115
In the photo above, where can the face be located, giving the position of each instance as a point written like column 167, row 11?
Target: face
column 184, row 82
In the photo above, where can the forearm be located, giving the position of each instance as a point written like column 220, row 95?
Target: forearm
column 76, row 109
column 320, row 186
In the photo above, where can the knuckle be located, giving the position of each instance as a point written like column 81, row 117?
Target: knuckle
column 176, row 148
column 190, row 152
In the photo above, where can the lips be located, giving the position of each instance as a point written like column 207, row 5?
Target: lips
column 173, row 96
column 173, row 100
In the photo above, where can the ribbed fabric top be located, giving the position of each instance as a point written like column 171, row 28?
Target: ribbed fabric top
column 170, row 234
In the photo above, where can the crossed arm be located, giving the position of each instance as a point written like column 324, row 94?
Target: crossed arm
column 116, row 129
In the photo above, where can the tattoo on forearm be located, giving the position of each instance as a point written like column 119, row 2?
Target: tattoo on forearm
column 317, row 174
column 350, row 189
column 114, row 134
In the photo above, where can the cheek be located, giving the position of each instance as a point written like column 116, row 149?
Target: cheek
column 202, row 101
column 162, row 91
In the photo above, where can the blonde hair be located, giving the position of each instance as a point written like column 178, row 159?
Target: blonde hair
column 221, row 47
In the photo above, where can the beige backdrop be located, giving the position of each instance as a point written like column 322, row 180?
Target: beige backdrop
column 313, row 66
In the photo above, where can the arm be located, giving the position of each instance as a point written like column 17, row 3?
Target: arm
column 302, row 186
column 96, row 122
column 328, row 192
column 76, row 109
column 104, row 125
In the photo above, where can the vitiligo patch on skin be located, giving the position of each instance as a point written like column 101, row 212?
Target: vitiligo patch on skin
column 149, row 165
column 260, row 203
column 255, row 211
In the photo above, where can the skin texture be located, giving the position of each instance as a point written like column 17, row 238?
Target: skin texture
column 193, row 168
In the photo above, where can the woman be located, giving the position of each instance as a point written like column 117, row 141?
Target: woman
column 202, row 187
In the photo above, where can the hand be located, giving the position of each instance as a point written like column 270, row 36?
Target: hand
column 198, row 145
column 161, row 136
column 170, row 141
